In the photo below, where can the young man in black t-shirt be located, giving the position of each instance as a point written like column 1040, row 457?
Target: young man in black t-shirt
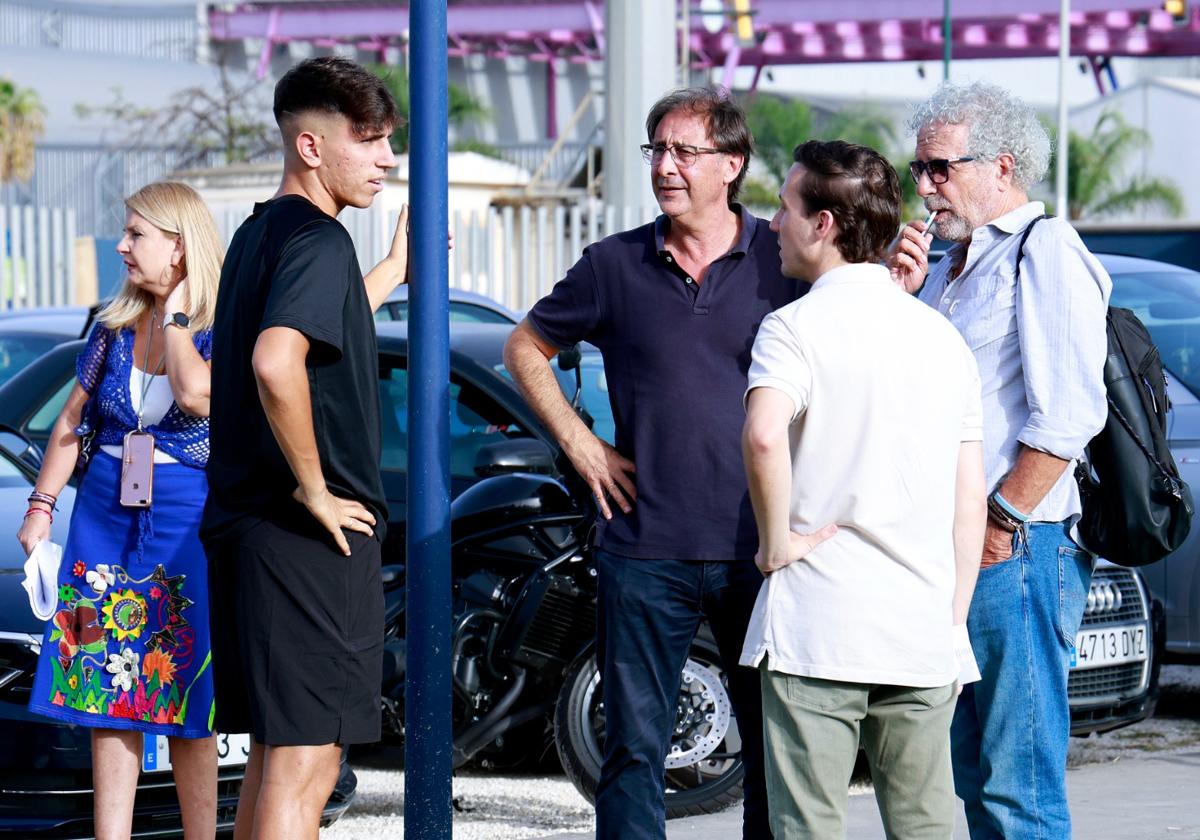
column 296, row 510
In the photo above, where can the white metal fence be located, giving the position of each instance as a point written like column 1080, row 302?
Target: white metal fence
column 513, row 254
column 516, row 254
column 37, row 256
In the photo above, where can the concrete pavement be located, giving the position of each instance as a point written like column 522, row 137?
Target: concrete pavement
column 1152, row 798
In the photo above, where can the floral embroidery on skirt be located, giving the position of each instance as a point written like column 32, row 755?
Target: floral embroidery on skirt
column 128, row 647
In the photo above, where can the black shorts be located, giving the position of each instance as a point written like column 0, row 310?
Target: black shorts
column 297, row 636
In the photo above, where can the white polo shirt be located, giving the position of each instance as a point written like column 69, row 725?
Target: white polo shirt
column 885, row 391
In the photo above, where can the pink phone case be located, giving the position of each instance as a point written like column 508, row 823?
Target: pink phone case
column 137, row 470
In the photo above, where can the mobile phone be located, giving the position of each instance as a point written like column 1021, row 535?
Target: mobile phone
column 137, row 469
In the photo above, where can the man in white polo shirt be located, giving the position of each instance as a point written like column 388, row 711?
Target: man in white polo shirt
column 866, row 475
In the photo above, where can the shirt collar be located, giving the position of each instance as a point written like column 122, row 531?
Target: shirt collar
column 854, row 273
column 1015, row 220
column 749, row 227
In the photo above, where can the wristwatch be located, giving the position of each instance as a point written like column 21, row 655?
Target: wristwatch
column 178, row 319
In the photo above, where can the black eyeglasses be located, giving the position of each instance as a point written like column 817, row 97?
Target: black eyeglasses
column 939, row 170
column 683, row 154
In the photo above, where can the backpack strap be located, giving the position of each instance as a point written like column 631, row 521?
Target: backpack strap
column 1025, row 236
column 1114, row 410
column 1082, row 467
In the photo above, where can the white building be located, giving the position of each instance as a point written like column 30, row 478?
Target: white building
column 1168, row 110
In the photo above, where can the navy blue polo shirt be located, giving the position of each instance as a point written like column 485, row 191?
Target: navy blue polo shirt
column 676, row 355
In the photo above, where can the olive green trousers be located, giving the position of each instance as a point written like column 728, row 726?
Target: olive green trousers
column 813, row 729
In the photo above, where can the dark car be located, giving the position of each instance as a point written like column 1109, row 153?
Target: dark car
column 1167, row 300
column 46, row 767
column 487, row 409
column 26, row 334
column 1163, row 597
column 485, row 405
column 1113, row 680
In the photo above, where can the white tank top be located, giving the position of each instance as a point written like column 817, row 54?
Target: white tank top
column 158, row 401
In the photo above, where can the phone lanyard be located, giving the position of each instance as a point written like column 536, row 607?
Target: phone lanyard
column 147, row 377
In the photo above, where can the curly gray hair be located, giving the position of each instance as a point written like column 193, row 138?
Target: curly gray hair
column 997, row 121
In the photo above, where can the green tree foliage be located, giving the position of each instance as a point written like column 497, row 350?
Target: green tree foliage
column 232, row 119
column 22, row 122
column 461, row 108
column 869, row 126
column 1095, row 187
column 780, row 125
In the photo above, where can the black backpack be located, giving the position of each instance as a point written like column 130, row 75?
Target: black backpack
column 1136, row 508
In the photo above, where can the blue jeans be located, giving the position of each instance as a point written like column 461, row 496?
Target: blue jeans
column 1010, row 729
column 648, row 611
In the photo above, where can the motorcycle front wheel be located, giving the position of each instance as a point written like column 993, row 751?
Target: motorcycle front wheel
column 704, row 766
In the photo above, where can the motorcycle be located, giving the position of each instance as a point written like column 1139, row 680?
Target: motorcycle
column 523, row 649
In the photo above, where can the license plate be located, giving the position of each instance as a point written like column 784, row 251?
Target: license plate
column 156, row 751
column 1095, row 648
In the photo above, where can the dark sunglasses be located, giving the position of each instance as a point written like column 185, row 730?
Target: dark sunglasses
column 939, row 170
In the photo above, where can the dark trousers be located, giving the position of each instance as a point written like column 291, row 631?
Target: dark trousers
column 648, row 613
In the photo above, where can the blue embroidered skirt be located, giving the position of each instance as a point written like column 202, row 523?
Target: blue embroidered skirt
column 128, row 647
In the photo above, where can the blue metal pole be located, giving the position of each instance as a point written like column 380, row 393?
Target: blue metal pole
column 947, row 41
column 427, row 696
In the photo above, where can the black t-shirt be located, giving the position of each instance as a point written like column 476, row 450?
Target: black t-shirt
column 291, row 265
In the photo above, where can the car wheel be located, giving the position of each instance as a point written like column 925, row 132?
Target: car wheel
column 703, row 769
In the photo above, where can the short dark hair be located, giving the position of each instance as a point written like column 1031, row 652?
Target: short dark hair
column 724, row 120
column 859, row 188
column 333, row 85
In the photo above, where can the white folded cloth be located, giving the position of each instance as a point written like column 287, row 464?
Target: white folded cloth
column 968, row 669
column 41, row 578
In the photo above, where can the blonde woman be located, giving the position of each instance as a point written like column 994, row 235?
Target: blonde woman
column 127, row 652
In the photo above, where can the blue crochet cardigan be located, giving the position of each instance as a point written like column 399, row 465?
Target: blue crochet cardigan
column 106, row 361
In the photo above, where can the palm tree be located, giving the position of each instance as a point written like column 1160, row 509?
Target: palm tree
column 22, row 122
column 461, row 107
column 1095, row 162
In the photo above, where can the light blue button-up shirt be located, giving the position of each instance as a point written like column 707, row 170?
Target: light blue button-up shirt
column 1039, row 341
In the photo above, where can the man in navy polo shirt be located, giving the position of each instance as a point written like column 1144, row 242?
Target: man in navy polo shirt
column 674, row 307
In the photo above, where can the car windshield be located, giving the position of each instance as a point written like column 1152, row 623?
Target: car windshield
column 17, row 351
column 595, row 392
column 1168, row 303
column 475, row 422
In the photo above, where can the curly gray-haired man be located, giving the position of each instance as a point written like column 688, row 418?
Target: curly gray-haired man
column 1038, row 335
